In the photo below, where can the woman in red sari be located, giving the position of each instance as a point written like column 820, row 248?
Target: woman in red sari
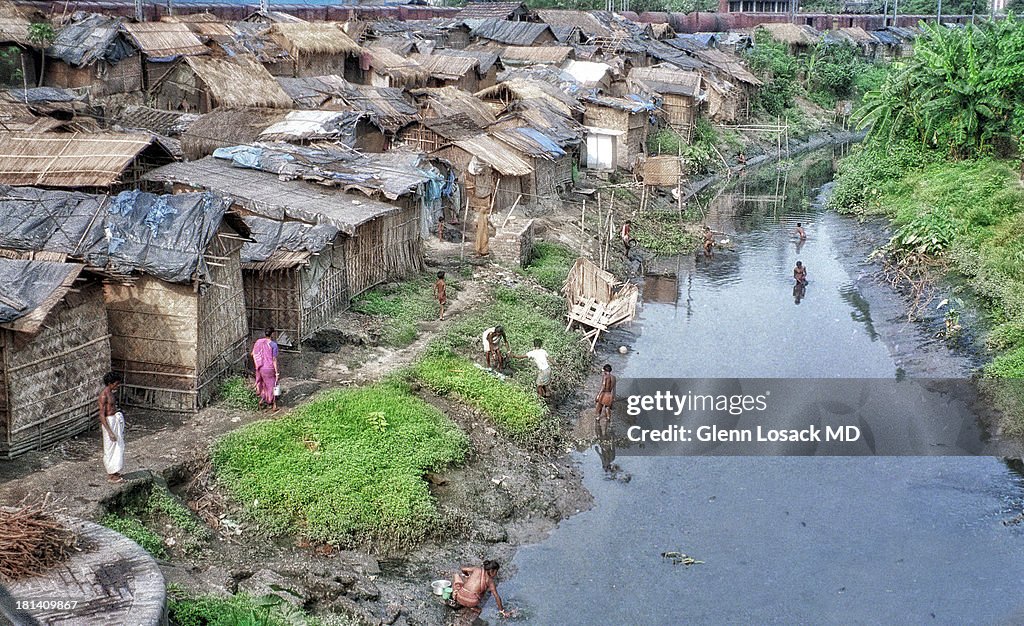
column 264, row 357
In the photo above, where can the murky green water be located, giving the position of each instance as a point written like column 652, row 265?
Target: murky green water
column 784, row 540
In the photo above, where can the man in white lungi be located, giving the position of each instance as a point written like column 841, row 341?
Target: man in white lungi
column 540, row 357
column 112, row 423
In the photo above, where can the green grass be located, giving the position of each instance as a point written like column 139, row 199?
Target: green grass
column 550, row 264
column 403, row 306
column 516, row 411
column 135, row 530
column 969, row 214
column 527, row 313
column 242, row 610
column 663, row 232
column 345, row 468
column 238, row 393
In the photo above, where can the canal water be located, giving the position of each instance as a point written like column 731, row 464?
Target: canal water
column 782, row 540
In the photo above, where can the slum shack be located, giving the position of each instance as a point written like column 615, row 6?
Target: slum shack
column 616, row 130
column 294, row 276
column 54, row 351
column 551, row 165
column 494, row 176
column 226, row 127
column 355, row 130
column 520, row 56
column 461, row 72
column 488, row 65
column 381, row 241
column 201, row 84
column 174, row 297
column 388, row 69
column 162, row 44
column 318, row 49
column 102, row 162
column 680, row 92
column 94, row 53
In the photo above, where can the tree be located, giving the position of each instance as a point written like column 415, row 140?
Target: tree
column 41, row 35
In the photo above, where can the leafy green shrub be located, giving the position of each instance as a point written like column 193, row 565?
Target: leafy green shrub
column 238, row 393
column 518, row 412
column 331, row 472
column 162, row 503
column 1007, row 365
column 403, row 306
column 663, row 233
column 874, row 171
column 665, row 141
column 550, row 264
column 237, row 610
column 771, row 61
column 135, row 530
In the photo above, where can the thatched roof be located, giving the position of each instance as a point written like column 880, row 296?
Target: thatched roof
column 164, row 39
column 278, row 245
column 543, row 114
column 729, row 64
column 31, row 290
column 266, row 195
column 853, row 34
column 443, row 67
column 252, row 38
column 453, row 126
column 238, row 82
column 18, row 117
column 273, row 17
column 496, row 154
column 387, row 106
column 485, row 58
column 226, row 127
column 491, row 10
column 167, row 123
column 667, row 81
column 530, row 142
column 314, row 38
column 792, row 34
column 587, row 23
column 447, row 101
column 401, row 70
column 535, row 55
column 520, row 89
column 312, row 92
column 511, row 33
column 13, row 24
column 88, row 40
column 69, row 159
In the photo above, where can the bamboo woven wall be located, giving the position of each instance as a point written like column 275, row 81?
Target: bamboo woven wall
column 383, row 249
column 272, row 299
column 51, row 379
column 153, row 342
column 681, row 112
column 324, row 289
column 181, row 90
column 222, row 329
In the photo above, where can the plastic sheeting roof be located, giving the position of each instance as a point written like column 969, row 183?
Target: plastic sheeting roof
column 31, row 289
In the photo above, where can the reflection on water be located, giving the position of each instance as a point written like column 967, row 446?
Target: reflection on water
column 784, row 540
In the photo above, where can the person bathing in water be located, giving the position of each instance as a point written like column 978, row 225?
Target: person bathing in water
column 709, row 242
column 606, row 396
column 471, row 583
column 800, row 274
column 800, row 232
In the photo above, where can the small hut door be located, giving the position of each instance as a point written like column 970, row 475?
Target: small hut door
column 600, row 151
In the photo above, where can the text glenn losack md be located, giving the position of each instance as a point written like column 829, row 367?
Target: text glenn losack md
column 712, row 434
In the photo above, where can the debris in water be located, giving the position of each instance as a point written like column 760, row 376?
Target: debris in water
column 678, row 558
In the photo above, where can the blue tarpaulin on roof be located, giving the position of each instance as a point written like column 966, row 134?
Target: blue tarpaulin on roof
column 545, row 142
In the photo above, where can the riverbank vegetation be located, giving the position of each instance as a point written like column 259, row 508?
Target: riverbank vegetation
column 346, row 468
column 941, row 162
column 402, row 306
